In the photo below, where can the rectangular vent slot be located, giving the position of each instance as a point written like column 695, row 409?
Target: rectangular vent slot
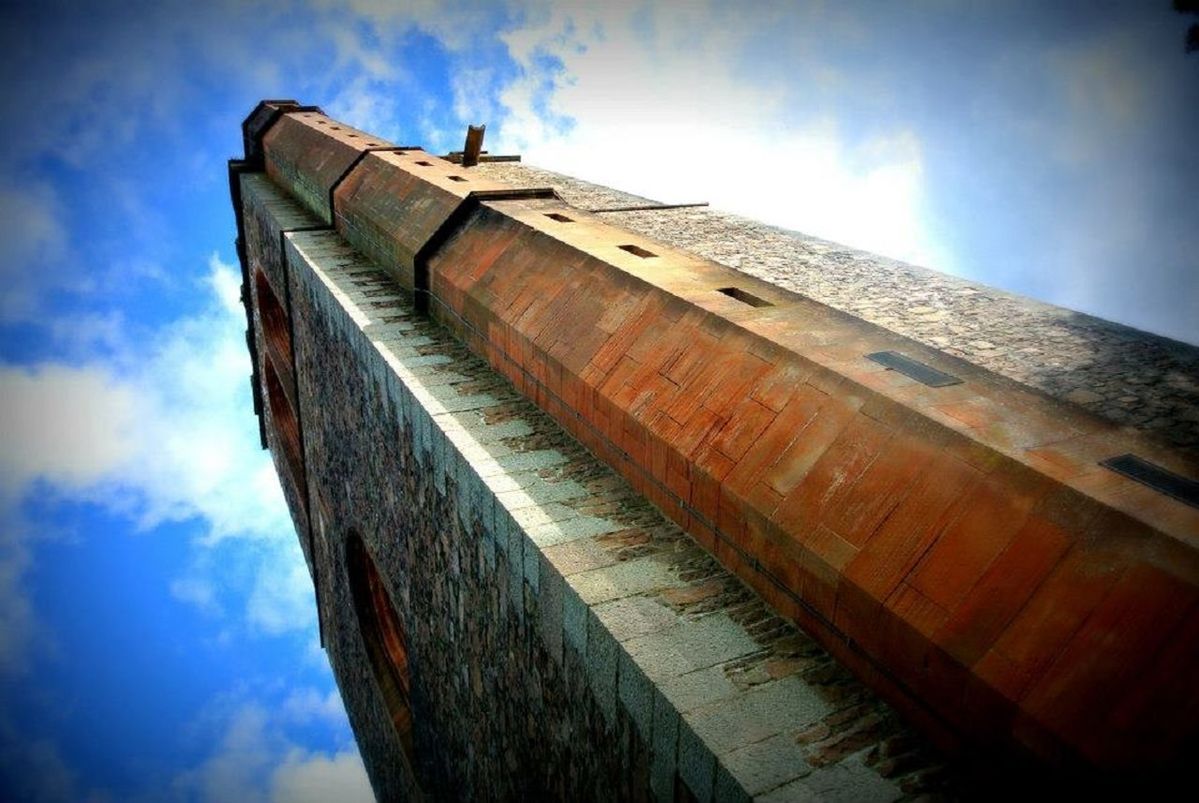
column 916, row 370
column 558, row 217
column 744, row 297
column 1162, row 480
column 637, row 250
column 457, row 178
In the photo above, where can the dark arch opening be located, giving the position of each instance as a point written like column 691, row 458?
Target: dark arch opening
column 287, row 427
column 383, row 634
column 274, row 320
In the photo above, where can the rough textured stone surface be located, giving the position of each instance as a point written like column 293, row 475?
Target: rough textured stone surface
column 961, row 548
column 269, row 215
column 407, row 437
column 1130, row 377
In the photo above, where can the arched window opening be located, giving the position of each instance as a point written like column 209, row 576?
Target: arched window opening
column 287, row 427
column 275, row 330
column 383, row 634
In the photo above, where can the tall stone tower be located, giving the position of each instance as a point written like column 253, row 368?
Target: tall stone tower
column 592, row 515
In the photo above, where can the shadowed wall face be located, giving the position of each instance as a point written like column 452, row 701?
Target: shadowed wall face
column 427, row 625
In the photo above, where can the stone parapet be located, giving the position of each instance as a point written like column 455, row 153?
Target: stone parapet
column 392, row 205
column 963, row 539
column 309, row 153
column 1132, row 378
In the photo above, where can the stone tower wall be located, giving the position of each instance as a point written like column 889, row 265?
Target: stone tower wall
column 957, row 546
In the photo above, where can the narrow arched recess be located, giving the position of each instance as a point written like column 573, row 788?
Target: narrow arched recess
column 275, row 327
column 384, row 637
column 287, row 426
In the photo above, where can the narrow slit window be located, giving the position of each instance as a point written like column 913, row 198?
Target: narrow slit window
column 383, row 635
column 744, row 297
column 425, row 164
column 456, row 178
column 637, row 250
column 1162, row 480
column 276, row 330
column 922, row 373
column 285, row 423
column 559, row 218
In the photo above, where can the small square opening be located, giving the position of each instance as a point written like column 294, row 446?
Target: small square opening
column 745, row 298
column 637, row 250
column 558, row 217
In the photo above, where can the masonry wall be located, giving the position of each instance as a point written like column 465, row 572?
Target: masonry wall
column 1133, row 378
column 958, row 545
column 958, row 536
column 266, row 217
column 565, row 640
column 493, row 714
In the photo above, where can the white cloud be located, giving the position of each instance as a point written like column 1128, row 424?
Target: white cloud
column 162, row 431
column 64, row 426
column 225, row 281
column 254, row 760
column 198, row 591
column 282, row 597
column 649, row 99
column 307, row 704
column 17, row 620
column 34, row 237
column 234, row 771
column 165, row 430
column 454, row 24
column 473, row 96
column 71, row 426
column 352, row 48
column 195, row 451
column 367, row 105
column 316, row 778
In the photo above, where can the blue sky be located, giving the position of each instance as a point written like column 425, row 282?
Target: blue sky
column 157, row 629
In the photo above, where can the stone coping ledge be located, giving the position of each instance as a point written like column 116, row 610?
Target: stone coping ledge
column 1131, row 377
